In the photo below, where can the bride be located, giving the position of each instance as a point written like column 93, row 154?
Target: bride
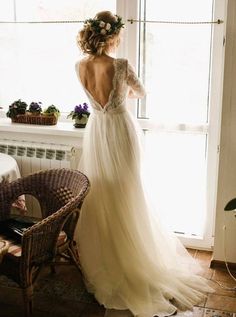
column 129, row 262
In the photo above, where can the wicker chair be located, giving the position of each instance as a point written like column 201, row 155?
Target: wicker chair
column 60, row 193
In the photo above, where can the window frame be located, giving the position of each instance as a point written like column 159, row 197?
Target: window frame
column 211, row 129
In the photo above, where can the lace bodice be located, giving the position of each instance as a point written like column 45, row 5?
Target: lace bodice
column 125, row 82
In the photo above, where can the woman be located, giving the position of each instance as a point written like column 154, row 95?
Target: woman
column 128, row 261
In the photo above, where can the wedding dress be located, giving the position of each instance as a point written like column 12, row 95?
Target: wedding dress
column 128, row 260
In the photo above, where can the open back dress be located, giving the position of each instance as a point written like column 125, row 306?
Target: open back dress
column 128, row 260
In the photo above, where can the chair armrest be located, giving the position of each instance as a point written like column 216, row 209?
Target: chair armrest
column 39, row 242
column 9, row 192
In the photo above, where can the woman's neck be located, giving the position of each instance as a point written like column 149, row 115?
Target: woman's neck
column 100, row 57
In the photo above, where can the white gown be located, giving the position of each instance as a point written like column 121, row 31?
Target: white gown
column 128, row 260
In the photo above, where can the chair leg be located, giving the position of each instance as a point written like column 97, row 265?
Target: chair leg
column 73, row 251
column 53, row 269
column 28, row 300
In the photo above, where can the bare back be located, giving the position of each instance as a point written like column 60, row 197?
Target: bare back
column 108, row 82
column 97, row 76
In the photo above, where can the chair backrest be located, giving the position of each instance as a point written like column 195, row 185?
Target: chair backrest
column 53, row 188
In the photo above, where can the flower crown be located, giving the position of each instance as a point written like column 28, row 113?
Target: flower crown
column 104, row 28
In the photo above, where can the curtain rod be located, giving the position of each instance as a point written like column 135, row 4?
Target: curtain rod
column 176, row 22
column 129, row 20
column 39, row 22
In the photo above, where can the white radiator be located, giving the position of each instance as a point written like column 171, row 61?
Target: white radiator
column 32, row 157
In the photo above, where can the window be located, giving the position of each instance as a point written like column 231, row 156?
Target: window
column 37, row 60
column 176, row 63
column 177, row 73
column 181, row 66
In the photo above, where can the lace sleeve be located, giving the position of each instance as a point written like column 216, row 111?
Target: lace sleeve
column 137, row 90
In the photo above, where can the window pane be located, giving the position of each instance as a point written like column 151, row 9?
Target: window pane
column 40, row 65
column 43, row 10
column 193, row 10
column 175, row 173
column 176, row 75
column 37, row 61
column 7, row 10
column 175, row 67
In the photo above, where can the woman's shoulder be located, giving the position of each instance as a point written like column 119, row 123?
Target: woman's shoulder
column 80, row 62
column 121, row 64
column 122, row 61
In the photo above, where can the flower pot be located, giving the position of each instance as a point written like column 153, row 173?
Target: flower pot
column 35, row 119
column 80, row 123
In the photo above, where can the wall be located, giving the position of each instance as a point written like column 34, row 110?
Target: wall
column 227, row 160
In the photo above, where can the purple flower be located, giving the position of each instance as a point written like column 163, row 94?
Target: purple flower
column 35, row 107
column 85, row 106
column 79, row 111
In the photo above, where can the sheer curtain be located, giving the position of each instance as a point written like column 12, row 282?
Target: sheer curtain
column 175, row 64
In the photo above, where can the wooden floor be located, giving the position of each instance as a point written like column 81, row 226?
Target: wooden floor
column 222, row 303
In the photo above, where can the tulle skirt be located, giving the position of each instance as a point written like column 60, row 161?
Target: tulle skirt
column 129, row 261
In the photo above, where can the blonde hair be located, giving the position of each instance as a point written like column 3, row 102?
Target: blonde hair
column 100, row 34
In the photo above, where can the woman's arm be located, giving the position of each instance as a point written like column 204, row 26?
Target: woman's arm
column 136, row 89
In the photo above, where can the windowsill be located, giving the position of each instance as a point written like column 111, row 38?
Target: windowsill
column 61, row 129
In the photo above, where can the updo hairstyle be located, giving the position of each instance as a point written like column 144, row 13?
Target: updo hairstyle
column 100, row 34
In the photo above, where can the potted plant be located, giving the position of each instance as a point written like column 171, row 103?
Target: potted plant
column 18, row 107
column 19, row 114
column 80, row 115
column 52, row 111
column 35, row 108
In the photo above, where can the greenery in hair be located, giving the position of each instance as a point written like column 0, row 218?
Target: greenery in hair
column 101, row 27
